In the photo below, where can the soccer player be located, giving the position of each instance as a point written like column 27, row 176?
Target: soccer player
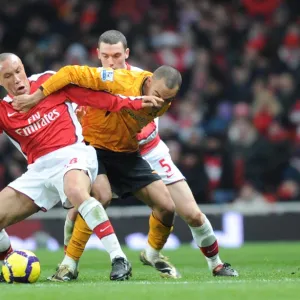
column 112, row 51
column 113, row 134
column 60, row 165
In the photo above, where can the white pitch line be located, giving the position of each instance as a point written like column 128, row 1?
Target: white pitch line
column 238, row 281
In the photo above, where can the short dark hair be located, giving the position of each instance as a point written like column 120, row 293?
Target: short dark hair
column 113, row 37
column 171, row 76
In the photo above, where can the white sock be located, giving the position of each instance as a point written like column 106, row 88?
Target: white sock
column 70, row 262
column 151, row 253
column 68, row 230
column 204, row 237
column 4, row 241
column 213, row 261
column 94, row 214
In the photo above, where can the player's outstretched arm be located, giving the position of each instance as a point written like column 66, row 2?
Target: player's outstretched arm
column 110, row 102
column 83, row 76
column 86, row 97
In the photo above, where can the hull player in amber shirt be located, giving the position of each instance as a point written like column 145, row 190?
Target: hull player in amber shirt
column 113, row 52
column 113, row 135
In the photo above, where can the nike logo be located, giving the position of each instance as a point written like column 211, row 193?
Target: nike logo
column 101, row 230
column 11, row 114
column 212, row 250
column 168, row 176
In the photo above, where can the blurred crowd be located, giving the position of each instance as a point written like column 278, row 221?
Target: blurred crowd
column 234, row 129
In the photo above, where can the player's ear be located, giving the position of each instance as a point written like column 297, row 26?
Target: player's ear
column 98, row 53
column 149, row 81
column 127, row 53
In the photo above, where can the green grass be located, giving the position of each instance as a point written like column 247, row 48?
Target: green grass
column 265, row 273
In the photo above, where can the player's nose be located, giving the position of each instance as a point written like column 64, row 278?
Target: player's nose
column 17, row 79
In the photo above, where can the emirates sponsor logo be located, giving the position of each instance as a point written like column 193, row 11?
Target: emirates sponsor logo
column 37, row 122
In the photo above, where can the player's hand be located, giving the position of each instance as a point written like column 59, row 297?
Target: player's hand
column 152, row 101
column 80, row 112
column 23, row 102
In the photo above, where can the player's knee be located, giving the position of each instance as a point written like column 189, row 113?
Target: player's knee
column 104, row 196
column 76, row 186
column 76, row 194
column 168, row 208
column 194, row 218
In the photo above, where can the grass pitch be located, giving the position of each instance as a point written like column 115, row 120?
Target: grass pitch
column 267, row 271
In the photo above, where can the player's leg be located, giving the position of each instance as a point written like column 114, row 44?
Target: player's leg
column 202, row 231
column 77, row 185
column 24, row 197
column 156, row 196
column 187, row 208
column 14, row 207
column 76, row 188
column 68, row 268
column 129, row 173
column 81, row 233
column 5, row 249
column 69, row 226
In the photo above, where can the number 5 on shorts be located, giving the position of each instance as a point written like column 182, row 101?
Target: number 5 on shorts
column 166, row 166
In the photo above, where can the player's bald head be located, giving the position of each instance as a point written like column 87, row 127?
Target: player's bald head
column 164, row 83
column 5, row 56
column 170, row 75
column 10, row 57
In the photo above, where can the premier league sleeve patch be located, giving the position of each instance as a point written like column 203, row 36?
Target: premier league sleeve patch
column 107, row 75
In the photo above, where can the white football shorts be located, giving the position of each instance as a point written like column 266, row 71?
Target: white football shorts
column 160, row 160
column 43, row 182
